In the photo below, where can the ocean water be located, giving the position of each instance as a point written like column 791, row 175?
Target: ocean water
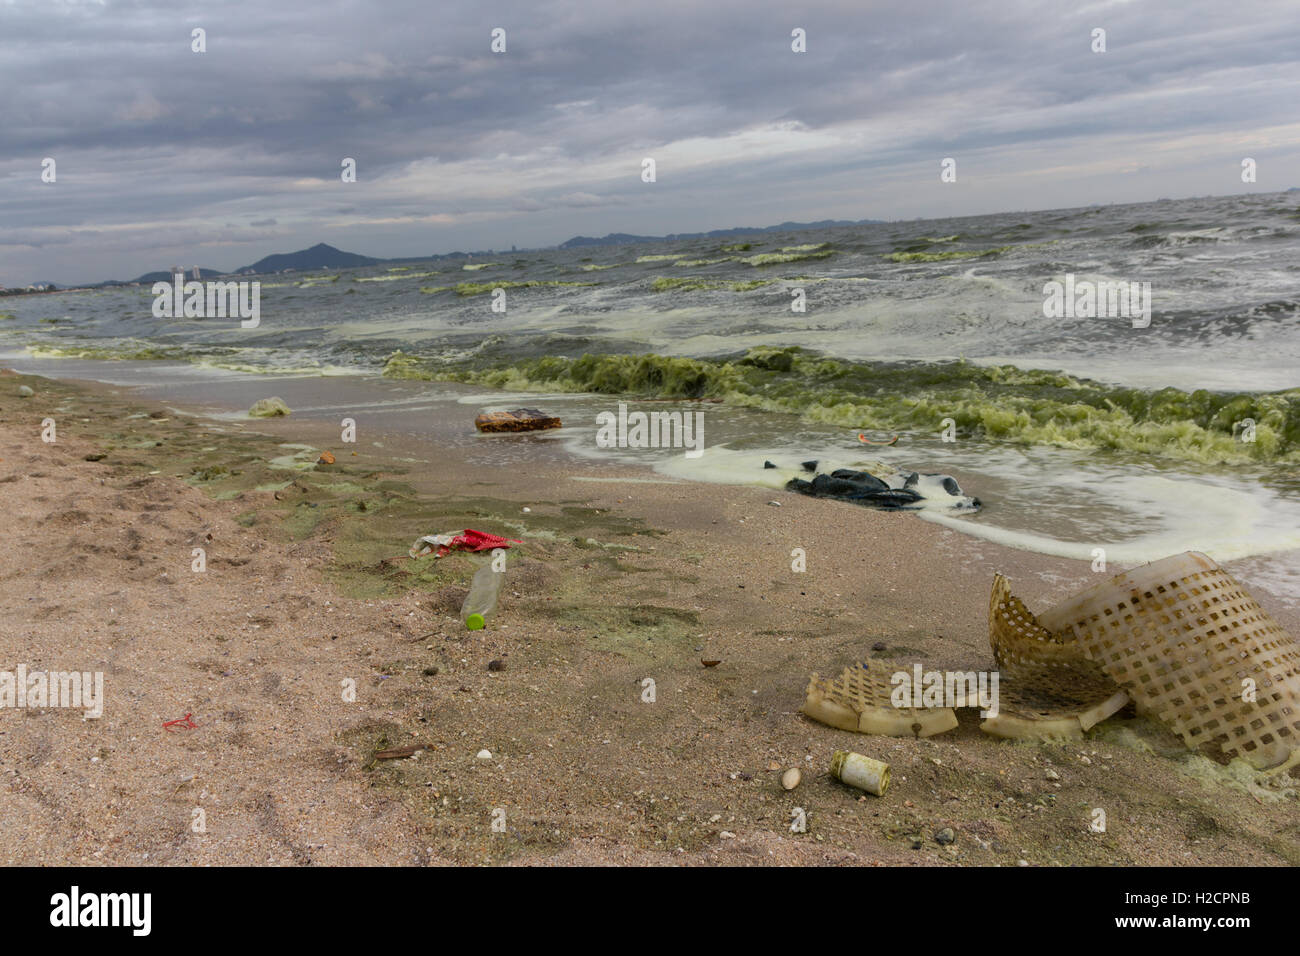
column 1076, row 433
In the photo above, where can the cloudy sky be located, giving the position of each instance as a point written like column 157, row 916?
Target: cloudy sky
column 166, row 156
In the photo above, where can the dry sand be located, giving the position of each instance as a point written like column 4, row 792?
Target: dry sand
column 616, row 582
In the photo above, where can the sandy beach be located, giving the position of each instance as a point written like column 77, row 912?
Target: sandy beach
column 307, row 590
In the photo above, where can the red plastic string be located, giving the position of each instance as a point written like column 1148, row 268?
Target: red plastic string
column 181, row 722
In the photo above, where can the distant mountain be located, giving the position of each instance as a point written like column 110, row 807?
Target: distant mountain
column 623, row 238
column 151, row 277
column 322, row 256
column 319, row 256
column 613, row 239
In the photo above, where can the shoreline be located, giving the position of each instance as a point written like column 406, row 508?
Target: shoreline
column 1043, row 500
column 302, row 591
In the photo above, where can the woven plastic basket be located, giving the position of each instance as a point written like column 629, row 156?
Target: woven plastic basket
column 1192, row 648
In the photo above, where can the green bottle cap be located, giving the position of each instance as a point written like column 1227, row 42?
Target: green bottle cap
column 475, row 622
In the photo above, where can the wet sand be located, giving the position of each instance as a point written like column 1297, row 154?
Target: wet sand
column 307, row 586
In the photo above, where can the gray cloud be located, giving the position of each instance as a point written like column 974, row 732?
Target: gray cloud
column 159, row 148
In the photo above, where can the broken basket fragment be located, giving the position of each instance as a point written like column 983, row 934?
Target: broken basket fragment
column 859, row 700
column 518, row 420
column 1194, row 650
column 1048, row 689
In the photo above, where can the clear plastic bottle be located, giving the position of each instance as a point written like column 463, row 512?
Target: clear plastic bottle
column 482, row 598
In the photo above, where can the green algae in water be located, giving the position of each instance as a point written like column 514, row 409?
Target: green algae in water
column 481, row 288
column 123, row 351
column 679, row 284
column 1000, row 402
column 686, row 284
column 397, row 278
column 779, row 258
column 945, row 256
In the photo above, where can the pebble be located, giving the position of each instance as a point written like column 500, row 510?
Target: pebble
column 791, row 778
column 776, row 504
column 25, row 391
column 1052, row 774
column 945, row 836
column 727, row 835
column 1085, row 760
column 878, row 646
column 1022, row 862
column 497, row 665
column 485, row 755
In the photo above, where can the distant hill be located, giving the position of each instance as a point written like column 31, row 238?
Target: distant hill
column 623, row 238
column 319, row 256
column 323, row 256
column 613, row 239
column 151, row 277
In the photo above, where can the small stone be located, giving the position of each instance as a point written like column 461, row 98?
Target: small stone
column 791, row 778
column 775, row 504
column 497, row 665
column 430, row 672
column 25, row 391
column 878, row 646
column 1022, row 862
column 945, row 836
column 773, row 765
column 485, row 755
column 916, row 844
column 727, row 835
column 528, row 511
column 1052, row 774
column 1085, row 760
column 95, row 456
